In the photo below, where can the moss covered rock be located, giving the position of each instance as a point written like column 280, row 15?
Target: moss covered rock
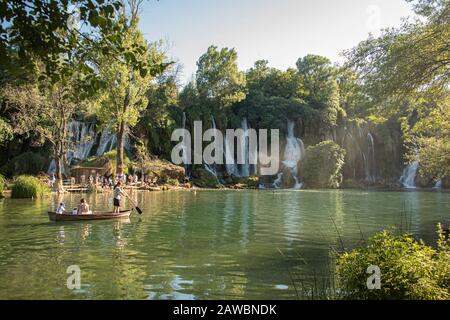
column 243, row 182
column 322, row 165
column 162, row 171
column 204, row 179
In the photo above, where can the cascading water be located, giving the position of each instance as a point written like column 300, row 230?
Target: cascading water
column 212, row 167
column 293, row 153
column 230, row 165
column 184, row 146
column 438, row 184
column 369, row 161
column 245, row 167
column 82, row 138
column 278, row 182
column 409, row 175
column 108, row 141
column 82, row 135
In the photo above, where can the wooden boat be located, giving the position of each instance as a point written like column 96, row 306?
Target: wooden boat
column 53, row 216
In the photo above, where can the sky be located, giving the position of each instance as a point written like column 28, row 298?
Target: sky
column 280, row 31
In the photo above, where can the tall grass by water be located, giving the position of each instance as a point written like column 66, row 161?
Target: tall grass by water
column 28, row 187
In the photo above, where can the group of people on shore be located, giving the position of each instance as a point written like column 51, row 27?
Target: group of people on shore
column 83, row 206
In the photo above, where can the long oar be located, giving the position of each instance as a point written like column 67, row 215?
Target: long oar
column 134, row 203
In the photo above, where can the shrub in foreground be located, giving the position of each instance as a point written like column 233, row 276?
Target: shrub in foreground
column 409, row 269
column 28, row 187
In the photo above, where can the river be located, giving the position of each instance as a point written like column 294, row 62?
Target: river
column 261, row 244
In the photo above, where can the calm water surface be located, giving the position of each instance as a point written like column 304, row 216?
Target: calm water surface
column 199, row 245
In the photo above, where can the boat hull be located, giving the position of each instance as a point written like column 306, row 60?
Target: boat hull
column 53, row 216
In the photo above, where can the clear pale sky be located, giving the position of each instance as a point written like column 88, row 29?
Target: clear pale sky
column 279, row 31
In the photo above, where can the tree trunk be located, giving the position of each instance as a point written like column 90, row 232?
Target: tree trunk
column 58, row 173
column 120, row 135
column 119, row 159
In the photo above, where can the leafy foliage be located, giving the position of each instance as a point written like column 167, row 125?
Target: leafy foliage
column 28, row 187
column 322, row 165
column 25, row 163
column 409, row 268
column 218, row 78
column 405, row 73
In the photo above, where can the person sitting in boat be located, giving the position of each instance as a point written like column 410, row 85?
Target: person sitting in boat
column 61, row 208
column 83, row 207
column 118, row 191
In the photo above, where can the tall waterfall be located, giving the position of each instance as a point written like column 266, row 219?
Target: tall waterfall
column 212, row 167
column 184, row 146
column 369, row 160
column 108, row 141
column 293, row 153
column 245, row 167
column 230, row 165
column 409, row 175
column 438, row 184
column 82, row 136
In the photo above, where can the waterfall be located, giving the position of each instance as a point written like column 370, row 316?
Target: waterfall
column 82, row 136
column 245, row 167
column 409, row 175
column 230, row 165
column 108, row 141
column 212, row 168
column 184, row 146
column 293, row 152
column 278, row 182
column 438, row 184
column 369, row 161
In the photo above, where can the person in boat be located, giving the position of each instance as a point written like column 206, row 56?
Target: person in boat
column 83, row 207
column 118, row 192
column 61, row 208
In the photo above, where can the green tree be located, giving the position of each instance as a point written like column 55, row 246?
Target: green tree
column 218, row 78
column 322, row 165
column 406, row 74
column 125, row 84
column 45, row 108
column 321, row 91
column 49, row 30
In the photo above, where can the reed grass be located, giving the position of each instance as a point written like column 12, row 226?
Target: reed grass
column 28, row 187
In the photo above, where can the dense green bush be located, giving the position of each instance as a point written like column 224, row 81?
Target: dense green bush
column 28, row 187
column 322, row 165
column 409, row 269
column 26, row 163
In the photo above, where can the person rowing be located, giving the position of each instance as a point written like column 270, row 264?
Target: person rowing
column 118, row 192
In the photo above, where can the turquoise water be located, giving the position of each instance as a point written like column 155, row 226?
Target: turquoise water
column 262, row 244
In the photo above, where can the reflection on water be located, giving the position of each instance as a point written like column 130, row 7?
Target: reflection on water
column 198, row 245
